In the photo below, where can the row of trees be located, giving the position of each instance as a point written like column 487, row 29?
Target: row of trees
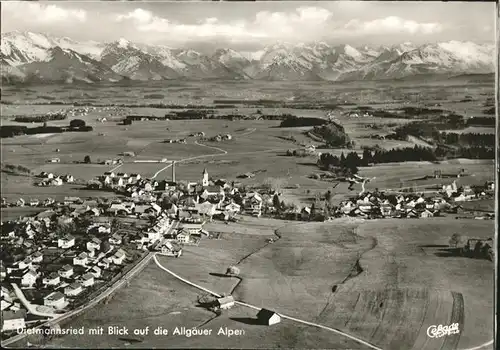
column 350, row 163
column 469, row 139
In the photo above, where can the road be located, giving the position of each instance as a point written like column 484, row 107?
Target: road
column 31, row 308
column 360, row 341
column 129, row 275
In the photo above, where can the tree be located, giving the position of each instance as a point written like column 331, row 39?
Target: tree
column 276, row 202
column 87, row 160
column 457, row 241
column 77, row 123
column 328, row 196
column 233, row 271
column 105, row 246
column 274, row 184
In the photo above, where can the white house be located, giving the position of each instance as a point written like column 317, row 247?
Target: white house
column 225, row 302
column 73, row 289
column 94, row 243
column 87, row 280
column 191, row 229
column 55, row 300
column 81, row 259
column 118, row 257
column 115, row 239
column 104, row 263
column 66, row 271
column 66, row 242
column 95, row 271
column 183, row 237
column 29, row 279
column 37, row 257
column 13, row 320
column 232, row 208
column 52, row 279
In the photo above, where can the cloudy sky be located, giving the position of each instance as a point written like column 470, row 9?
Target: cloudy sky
column 250, row 25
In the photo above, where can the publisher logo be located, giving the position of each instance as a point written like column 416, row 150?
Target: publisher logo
column 440, row 331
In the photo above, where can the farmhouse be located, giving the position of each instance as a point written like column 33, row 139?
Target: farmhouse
column 13, row 320
column 268, row 317
column 55, row 300
column 183, row 237
column 225, row 302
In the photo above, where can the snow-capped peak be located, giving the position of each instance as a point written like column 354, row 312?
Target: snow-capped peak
column 123, row 43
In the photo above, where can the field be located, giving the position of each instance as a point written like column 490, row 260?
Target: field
column 407, row 281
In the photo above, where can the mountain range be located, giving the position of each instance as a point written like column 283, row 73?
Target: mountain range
column 36, row 57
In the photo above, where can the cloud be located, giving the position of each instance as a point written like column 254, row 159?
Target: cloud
column 41, row 13
column 265, row 24
column 392, row 25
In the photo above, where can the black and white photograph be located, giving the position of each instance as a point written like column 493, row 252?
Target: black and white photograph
column 249, row 175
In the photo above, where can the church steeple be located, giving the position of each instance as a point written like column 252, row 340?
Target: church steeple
column 204, row 181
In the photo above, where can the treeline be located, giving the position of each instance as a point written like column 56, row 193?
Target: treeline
column 294, row 121
column 481, row 121
column 475, row 152
column 17, row 130
column 469, row 139
column 349, row 164
column 39, row 118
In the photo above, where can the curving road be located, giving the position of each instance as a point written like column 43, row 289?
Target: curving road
column 360, row 341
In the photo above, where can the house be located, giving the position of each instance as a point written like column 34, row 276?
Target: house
column 232, row 208
column 34, row 202
column 54, row 160
column 135, row 177
column 253, row 204
column 87, row 280
column 94, row 243
column 191, row 229
column 268, row 317
column 37, row 257
column 118, row 257
column 118, row 209
column 52, row 279
column 115, row 239
column 95, row 271
column 72, row 200
column 110, row 174
column 73, row 289
column 20, row 202
column 183, row 237
column 81, row 259
column 305, row 213
column 426, row 214
column 29, row 279
column 13, row 320
column 123, row 175
column 66, row 271
column 26, row 263
column 225, row 302
column 68, row 178
column 118, row 181
column 56, row 300
column 104, row 263
column 66, row 242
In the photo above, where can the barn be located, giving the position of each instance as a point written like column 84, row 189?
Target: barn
column 268, row 317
